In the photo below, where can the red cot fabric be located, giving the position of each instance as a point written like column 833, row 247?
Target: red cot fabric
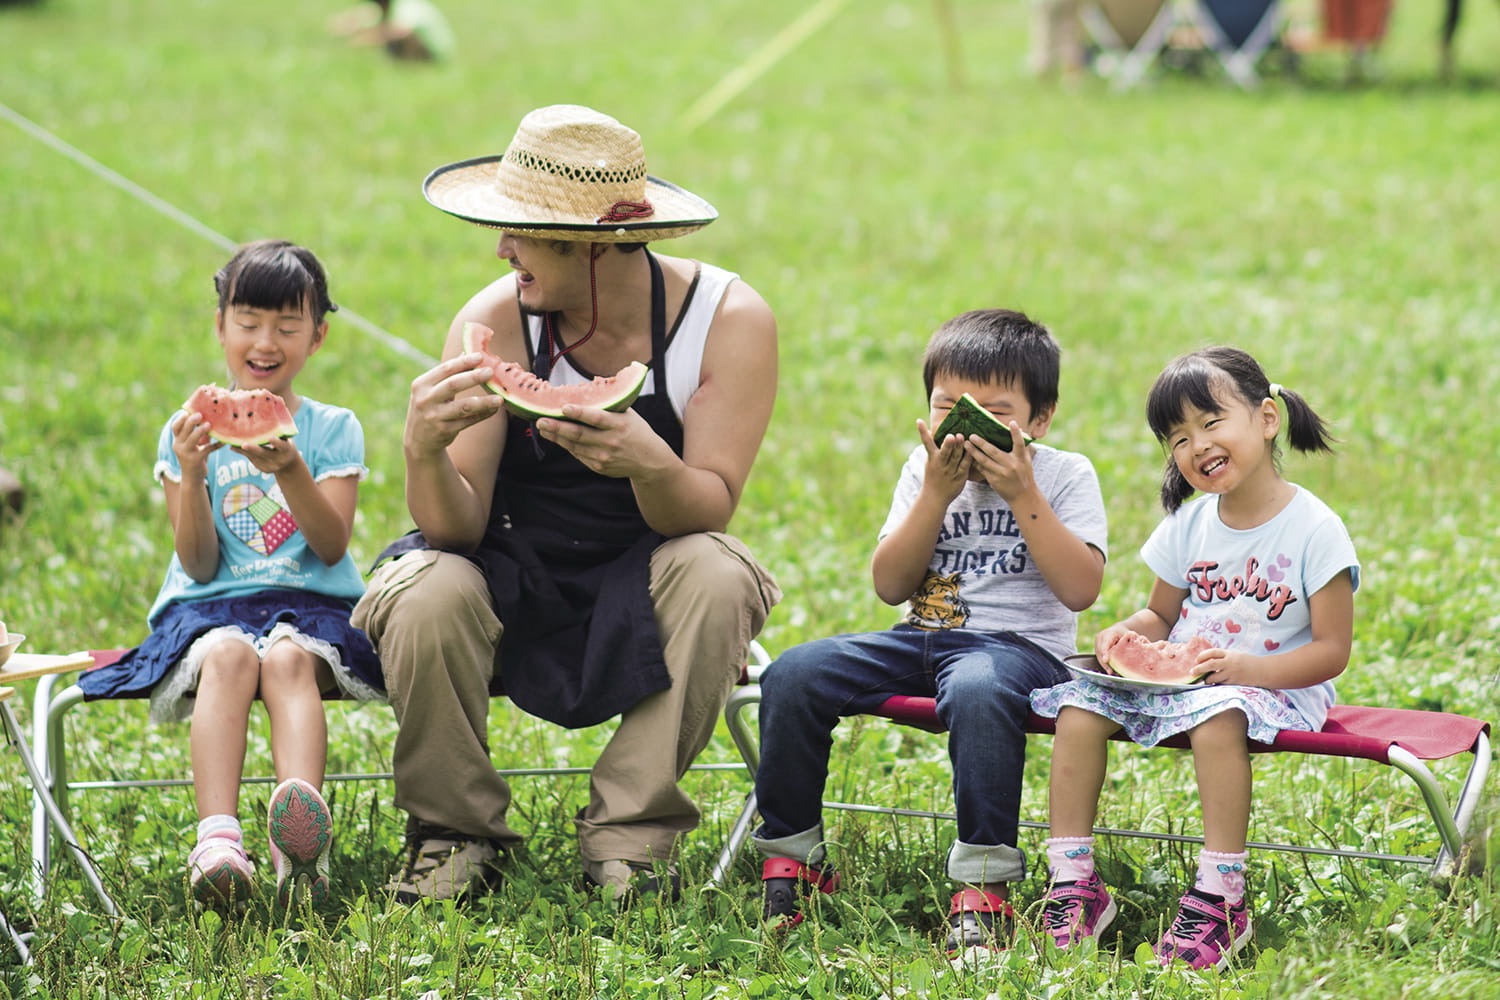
column 1351, row 731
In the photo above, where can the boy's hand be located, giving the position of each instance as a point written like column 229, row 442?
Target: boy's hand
column 947, row 466
column 1008, row 472
column 192, row 445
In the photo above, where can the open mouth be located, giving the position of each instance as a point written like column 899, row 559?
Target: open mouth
column 1211, row 468
column 262, row 367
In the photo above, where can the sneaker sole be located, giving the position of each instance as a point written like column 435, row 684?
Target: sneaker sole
column 976, row 956
column 302, row 830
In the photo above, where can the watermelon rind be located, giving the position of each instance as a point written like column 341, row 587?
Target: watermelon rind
column 521, row 389
column 1121, row 670
column 614, row 394
column 972, row 420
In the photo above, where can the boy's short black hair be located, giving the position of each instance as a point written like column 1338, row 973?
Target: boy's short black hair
column 996, row 345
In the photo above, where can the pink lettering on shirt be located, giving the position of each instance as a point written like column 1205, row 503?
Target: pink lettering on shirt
column 1209, row 586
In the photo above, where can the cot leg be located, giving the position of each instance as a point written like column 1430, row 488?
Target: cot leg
column 745, row 741
column 738, row 834
column 17, row 939
column 51, row 751
column 1451, row 827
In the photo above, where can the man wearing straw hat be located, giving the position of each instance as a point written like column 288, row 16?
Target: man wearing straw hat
column 579, row 565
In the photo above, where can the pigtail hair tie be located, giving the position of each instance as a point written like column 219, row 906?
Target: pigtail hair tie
column 1275, row 390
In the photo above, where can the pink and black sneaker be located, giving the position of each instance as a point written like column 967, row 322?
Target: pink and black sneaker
column 1206, row 932
column 980, row 926
column 1078, row 911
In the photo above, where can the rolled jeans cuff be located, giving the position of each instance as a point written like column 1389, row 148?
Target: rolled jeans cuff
column 976, row 864
column 806, row 847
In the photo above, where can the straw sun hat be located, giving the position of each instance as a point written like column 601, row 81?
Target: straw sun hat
column 570, row 173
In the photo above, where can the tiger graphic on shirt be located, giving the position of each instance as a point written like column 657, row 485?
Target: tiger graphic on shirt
column 937, row 603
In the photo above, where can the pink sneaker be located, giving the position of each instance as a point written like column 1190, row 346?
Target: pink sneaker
column 1078, row 911
column 301, row 829
column 220, row 873
column 1205, row 932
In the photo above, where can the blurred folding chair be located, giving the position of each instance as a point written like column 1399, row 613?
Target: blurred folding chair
column 16, row 937
column 22, row 666
column 1130, row 35
column 1239, row 32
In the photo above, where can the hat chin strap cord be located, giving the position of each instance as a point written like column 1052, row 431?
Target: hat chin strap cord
column 596, row 250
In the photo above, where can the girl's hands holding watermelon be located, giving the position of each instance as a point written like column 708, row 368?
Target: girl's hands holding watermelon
column 948, row 465
column 273, row 457
column 192, row 445
column 1106, row 641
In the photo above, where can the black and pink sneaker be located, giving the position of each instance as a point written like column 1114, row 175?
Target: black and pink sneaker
column 1206, row 932
column 1078, row 911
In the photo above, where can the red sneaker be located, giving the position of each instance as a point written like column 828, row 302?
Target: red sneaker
column 787, row 882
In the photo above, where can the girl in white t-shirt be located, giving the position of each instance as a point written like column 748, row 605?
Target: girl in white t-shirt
column 1262, row 570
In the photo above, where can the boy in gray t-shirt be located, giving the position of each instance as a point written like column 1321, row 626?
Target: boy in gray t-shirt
column 994, row 553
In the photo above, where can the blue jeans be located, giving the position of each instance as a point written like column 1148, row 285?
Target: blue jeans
column 982, row 683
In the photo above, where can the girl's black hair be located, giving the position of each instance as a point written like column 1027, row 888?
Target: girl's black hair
column 996, row 345
column 1197, row 380
column 274, row 274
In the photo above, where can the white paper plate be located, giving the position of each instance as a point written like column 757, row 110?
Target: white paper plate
column 1085, row 667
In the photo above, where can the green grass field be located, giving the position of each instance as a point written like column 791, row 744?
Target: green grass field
column 1345, row 234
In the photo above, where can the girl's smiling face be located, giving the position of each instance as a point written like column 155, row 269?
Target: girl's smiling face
column 1218, row 450
column 266, row 348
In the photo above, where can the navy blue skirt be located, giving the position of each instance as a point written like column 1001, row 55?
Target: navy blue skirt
column 316, row 616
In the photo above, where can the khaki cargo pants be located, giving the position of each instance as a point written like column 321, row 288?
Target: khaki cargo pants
column 429, row 617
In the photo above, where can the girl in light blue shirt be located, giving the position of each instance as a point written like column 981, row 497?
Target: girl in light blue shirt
column 257, row 598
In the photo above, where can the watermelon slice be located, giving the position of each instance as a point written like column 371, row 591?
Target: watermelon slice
column 1166, row 662
column 532, row 398
column 972, row 420
column 244, row 418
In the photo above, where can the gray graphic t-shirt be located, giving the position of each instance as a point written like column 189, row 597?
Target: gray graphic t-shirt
column 981, row 576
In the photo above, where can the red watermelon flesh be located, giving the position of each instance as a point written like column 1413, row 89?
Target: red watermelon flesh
column 532, row 398
column 1138, row 658
column 245, row 418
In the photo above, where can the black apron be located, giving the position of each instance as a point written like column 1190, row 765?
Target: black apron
column 567, row 558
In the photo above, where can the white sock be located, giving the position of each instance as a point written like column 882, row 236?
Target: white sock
column 1070, row 858
column 1222, row 874
column 219, row 825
